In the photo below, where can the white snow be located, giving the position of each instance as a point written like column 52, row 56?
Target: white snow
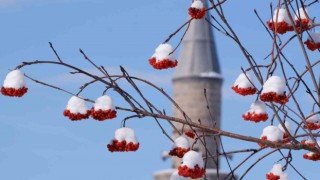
column 315, row 36
column 314, row 119
column 301, row 14
column 273, row 133
column 274, row 84
column 243, row 81
column 310, row 141
column 77, row 105
column 163, row 52
column 175, row 176
column 277, row 170
column 258, row 107
column 282, row 16
column 211, row 74
column 14, row 79
column 192, row 158
column 181, row 142
column 288, row 126
column 310, row 154
column 125, row 134
column 197, row 4
column 103, row 103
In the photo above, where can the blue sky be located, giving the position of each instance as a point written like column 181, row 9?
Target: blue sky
column 38, row 143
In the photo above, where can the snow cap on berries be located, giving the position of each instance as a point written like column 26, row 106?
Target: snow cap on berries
column 274, row 84
column 192, row 158
column 14, row 79
column 301, row 13
column 103, row 103
column 314, row 119
column 181, row 142
column 244, row 81
column 125, row 134
column 77, row 105
column 176, row 176
column 309, row 142
column 273, row 133
column 244, row 85
column 277, row 170
column 258, row 107
column 313, row 122
column 163, row 52
column 257, row 112
column 197, row 4
column 313, row 41
column 288, row 126
column 283, row 16
column 315, row 36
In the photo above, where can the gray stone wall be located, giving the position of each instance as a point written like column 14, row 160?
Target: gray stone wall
column 189, row 94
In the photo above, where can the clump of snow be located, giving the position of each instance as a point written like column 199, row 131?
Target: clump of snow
column 244, row 81
column 283, row 16
column 163, row 52
column 14, row 79
column 314, row 119
column 288, row 126
column 77, row 105
column 197, row 4
column 274, row 84
column 277, row 170
column 191, row 159
column 273, row 133
column 125, row 134
column 310, row 141
column 258, row 107
column 310, row 154
column 181, row 142
column 301, row 14
column 176, row 176
column 103, row 103
column 315, row 36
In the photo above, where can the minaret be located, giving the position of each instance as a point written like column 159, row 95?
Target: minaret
column 198, row 69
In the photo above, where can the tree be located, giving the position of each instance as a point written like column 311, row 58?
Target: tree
column 272, row 89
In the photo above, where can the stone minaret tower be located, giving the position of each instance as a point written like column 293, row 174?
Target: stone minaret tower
column 198, row 69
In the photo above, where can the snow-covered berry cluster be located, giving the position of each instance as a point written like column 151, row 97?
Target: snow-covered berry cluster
column 14, row 84
column 271, row 133
column 276, row 134
column 313, row 42
column 311, row 155
column 163, row 58
column 76, row 109
column 124, row 140
column 302, row 20
column 244, row 85
column 313, row 122
column 192, row 165
column 280, row 21
column 257, row 112
column 274, row 91
column 103, row 109
column 180, row 147
column 197, row 10
column 277, row 173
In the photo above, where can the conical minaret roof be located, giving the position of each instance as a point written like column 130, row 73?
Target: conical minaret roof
column 198, row 56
